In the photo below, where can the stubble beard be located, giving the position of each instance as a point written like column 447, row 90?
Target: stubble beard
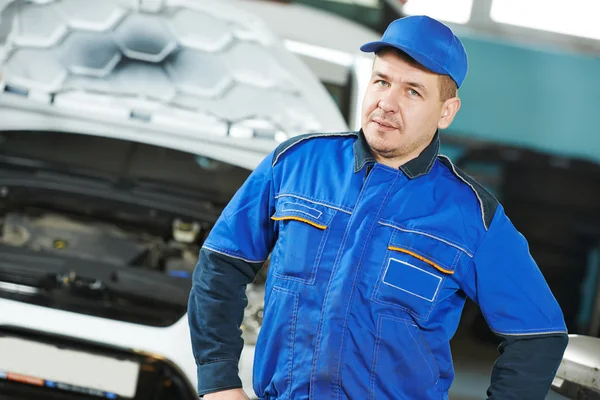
column 399, row 152
column 383, row 148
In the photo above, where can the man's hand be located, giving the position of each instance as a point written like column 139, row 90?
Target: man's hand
column 233, row 394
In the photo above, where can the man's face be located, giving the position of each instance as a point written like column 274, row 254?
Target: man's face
column 401, row 109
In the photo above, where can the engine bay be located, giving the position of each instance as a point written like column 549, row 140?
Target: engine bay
column 109, row 228
column 43, row 230
column 106, row 258
column 97, row 254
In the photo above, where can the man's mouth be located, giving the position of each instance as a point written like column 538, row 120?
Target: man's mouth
column 383, row 124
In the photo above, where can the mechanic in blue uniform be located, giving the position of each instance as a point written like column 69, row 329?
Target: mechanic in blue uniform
column 376, row 241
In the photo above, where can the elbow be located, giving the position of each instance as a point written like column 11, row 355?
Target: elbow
column 565, row 340
column 553, row 348
column 562, row 343
column 540, row 353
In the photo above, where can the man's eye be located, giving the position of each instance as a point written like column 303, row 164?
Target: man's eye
column 413, row 92
column 382, row 83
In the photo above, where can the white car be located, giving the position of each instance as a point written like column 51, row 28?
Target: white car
column 331, row 50
column 125, row 127
column 578, row 376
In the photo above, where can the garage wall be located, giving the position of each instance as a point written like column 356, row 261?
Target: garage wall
column 538, row 98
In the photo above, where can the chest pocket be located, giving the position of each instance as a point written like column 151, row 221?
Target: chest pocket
column 414, row 271
column 303, row 230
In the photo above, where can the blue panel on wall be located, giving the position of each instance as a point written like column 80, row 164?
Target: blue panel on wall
column 543, row 100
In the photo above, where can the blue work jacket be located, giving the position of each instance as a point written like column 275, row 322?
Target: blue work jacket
column 370, row 269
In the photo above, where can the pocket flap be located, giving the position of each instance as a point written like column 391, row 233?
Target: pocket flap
column 312, row 213
column 434, row 251
column 424, row 259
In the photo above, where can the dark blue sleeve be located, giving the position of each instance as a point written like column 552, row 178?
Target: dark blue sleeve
column 236, row 249
column 519, row 307
column 526, row 367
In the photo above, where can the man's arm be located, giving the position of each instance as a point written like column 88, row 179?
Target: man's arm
column 519, row 307
column 230, row 258
column 527, row 366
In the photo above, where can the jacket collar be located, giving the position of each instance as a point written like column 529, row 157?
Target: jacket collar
column 416, row 167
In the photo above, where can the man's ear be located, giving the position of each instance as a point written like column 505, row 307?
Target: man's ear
column 449, row 110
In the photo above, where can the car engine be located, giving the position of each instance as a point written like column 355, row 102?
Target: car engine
column 74, row 236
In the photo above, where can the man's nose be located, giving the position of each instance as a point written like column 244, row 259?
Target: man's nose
column 388, row 102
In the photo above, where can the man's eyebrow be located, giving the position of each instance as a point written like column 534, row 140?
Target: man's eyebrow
column 387, row 78
column 382, row 76
column 417, row 85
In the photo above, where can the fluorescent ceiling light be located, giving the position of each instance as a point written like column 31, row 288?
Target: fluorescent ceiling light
column 572, row 17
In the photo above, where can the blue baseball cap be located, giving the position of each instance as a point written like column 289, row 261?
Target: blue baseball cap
column 431, row 43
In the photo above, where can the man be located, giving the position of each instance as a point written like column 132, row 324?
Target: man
column 376, row 241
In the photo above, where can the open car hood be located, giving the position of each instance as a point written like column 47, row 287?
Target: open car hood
column 201, row 76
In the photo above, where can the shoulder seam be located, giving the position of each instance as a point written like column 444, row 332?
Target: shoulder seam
column 297, row 139
column 486, row 219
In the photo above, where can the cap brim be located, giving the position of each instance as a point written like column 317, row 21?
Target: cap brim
column 421, row 58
